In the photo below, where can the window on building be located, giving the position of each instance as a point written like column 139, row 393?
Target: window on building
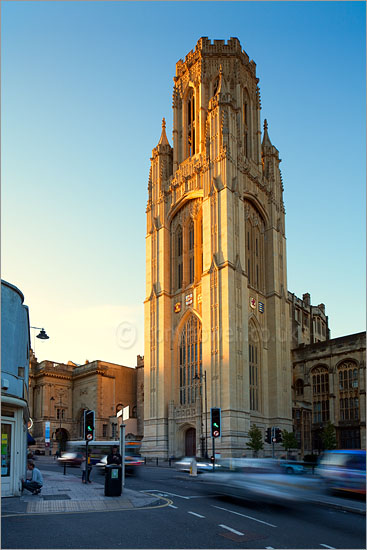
column 255, row 250
column 104, row 430
column 348, row 391
column 320, row 395
column 299, row 387
column 60, row 413
column 254, row 376
column 191, row 123
column 179, row 258
column 246, row 124
column 114, row 431
column 191, row 252
column 190, row 360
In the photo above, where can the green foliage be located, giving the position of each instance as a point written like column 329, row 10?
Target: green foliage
column 256, row 439
column 328, row 436
column 289, row 440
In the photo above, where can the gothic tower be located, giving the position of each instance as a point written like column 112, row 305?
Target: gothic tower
column 216, row 310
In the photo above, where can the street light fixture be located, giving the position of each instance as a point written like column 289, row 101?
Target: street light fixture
column 204, row 450
column 42, row 336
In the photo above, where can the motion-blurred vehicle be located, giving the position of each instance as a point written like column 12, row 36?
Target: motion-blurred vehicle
column 71, row 459
column 291, row 467
column 98, row 451
column 257, row 478
column 343, row 470
column 185, row 464
column 131, row 464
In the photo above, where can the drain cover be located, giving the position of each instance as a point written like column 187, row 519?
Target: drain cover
column 56, row 497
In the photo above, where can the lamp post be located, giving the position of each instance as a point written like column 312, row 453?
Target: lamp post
column 205, row 436
column 60, row 416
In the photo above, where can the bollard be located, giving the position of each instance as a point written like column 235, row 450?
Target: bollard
column 64, row 468
column 194, row 468
column 145, row 460
column 157, row 461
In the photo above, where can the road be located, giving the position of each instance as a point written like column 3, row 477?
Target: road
column 192, row 519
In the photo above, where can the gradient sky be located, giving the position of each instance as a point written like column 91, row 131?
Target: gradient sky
column 84, row 88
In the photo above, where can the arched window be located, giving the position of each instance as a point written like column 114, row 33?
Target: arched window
column 191, row 124
column 320, row 395
column 254, row 369
column 348, row 391
column 190, row 360
column 255, row 247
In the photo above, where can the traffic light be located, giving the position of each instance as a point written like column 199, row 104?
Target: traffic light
column 215, row 421
column 278, row 435
column 268, row 435
column 88, row 425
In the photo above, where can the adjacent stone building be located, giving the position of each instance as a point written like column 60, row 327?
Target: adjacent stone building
column 329, row 384
column 217, row 306
column 60, row 393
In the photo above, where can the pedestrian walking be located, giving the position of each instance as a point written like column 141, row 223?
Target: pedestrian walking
column 89, row 469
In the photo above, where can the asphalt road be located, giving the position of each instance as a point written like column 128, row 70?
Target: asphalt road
column 194, row 519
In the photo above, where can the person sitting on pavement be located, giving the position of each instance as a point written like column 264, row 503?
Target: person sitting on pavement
column 35, row 484
column 114, row 457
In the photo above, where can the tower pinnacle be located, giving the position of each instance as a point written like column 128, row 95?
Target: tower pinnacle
column 163, row 140
column 266, row 139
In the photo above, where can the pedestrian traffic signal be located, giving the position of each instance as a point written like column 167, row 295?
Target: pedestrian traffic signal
column 278, row 435
column 88, row 425
column 268, row 436
column 215, row 421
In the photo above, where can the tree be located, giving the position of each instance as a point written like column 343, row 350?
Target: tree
column 289, row 441
column 256, row 439
column 328, row 436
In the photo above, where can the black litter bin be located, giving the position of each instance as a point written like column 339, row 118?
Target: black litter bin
column 113, row 480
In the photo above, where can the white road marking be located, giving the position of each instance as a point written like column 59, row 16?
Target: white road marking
column 171, row 506
column 244, row 516
column 197, row 515
column 269, row 548
column 179, row 496
column 232, row 530
column 326, row 546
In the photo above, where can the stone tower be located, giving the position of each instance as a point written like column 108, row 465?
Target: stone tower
column 216, row 310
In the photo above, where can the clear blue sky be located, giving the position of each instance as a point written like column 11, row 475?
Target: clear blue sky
column 84, row 88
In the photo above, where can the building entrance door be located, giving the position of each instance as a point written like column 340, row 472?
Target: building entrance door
column 190, row 442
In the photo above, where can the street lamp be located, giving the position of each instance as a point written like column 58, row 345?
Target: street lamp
column 204, row 437
column 42, row 336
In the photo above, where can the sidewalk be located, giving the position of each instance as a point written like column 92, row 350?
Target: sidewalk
column 66, row 493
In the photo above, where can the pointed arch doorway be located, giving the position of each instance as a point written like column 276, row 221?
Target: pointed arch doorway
column 190, row 442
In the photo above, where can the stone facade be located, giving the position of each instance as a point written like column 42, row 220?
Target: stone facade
column 217, row 308
column 59, row 394
column 329, row 384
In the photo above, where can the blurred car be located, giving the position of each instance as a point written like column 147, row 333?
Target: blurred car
column 72, row 459
column 185, row 464
column 131, row 465
column 343, row 470
column 291, row 467
column 257, row 478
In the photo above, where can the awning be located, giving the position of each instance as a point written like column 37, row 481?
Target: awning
column 30, row 440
